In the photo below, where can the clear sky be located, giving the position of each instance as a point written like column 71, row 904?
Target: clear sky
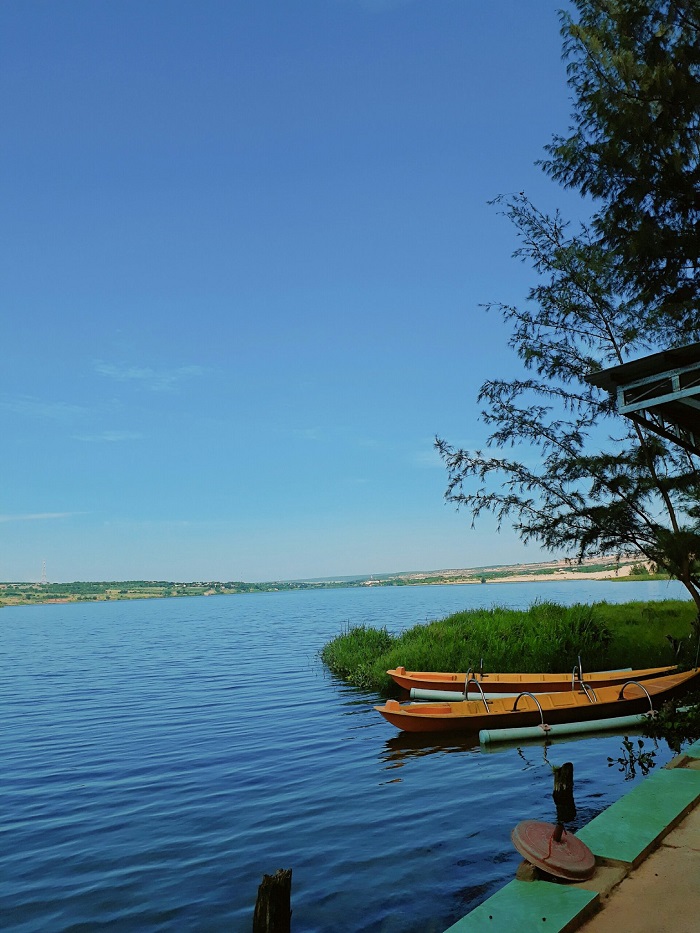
column 245, row 245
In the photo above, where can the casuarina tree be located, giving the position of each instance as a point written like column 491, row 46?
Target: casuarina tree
column 634, row 70
column 560, row 464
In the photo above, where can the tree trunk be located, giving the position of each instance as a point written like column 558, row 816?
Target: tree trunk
column 272, row 910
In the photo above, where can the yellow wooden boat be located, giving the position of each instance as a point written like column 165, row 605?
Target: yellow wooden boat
column 582, row 704
column 516, row 683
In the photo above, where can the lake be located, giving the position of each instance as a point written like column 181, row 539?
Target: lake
column 160, row 756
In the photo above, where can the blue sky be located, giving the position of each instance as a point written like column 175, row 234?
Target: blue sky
column 245, row 245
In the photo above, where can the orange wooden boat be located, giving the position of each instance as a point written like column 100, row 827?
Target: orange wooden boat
column 580, row 705
column 516, row 683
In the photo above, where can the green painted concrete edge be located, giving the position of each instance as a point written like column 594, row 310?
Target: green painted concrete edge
column 528, row 906
column 633, row 826
column 520, row 906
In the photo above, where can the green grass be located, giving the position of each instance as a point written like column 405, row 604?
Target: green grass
column 546, row 637
column 353, row 654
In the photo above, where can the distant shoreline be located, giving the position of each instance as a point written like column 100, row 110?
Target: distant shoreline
column 27, row 594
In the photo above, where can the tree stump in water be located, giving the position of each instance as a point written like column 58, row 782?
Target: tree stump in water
column 272, row 910
column 563, row 793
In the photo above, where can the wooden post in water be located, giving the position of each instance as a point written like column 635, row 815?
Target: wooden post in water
column 563, row 793
column 272, row 908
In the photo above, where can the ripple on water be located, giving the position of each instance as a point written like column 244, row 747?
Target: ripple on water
column 159, row 757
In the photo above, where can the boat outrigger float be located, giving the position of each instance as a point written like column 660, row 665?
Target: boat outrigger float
column 583, row 704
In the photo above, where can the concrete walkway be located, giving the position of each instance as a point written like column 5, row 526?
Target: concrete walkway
column 647, row 876
column 663, row 893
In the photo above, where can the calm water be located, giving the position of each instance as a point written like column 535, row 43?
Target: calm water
column 159, row 757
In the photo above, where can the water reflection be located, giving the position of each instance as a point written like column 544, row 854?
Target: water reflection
column 532, row 761
column 633, row 757
column 398, row 749
column 404, row 746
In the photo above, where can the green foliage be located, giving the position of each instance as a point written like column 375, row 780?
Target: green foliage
column 643, row 633
column 604, row 294
column 567, row 485
column 546, row 637
column 634, row 70
column 352, row 655
column 678, row 721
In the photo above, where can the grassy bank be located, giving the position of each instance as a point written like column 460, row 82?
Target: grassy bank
column 545, row 637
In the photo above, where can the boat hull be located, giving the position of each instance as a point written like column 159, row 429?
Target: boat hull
column 552, row 708
column 515, row 683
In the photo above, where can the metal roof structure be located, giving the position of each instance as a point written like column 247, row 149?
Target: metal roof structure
column 660, row 392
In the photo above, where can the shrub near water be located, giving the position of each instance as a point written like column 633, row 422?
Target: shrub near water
column 646, row 632
column 354, row 653
column 546, row 637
